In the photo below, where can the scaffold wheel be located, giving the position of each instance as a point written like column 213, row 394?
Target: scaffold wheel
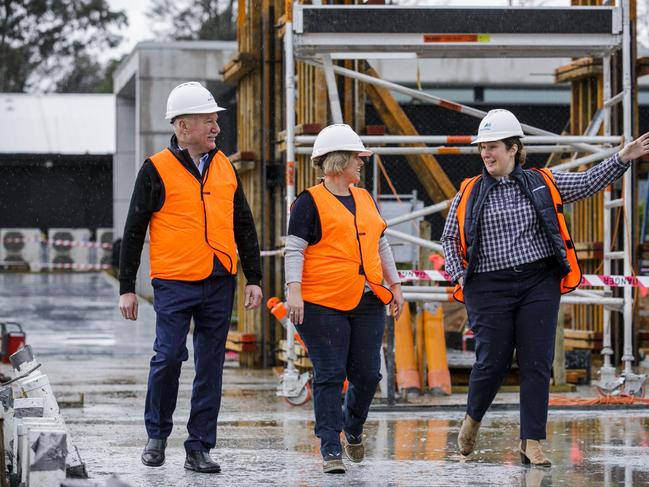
column 301, row 398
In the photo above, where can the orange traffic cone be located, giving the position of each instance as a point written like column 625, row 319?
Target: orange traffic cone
column 405, row 359
column 439, row 377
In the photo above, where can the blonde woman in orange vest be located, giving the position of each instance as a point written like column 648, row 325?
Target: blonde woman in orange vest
column 508, row 249
column 190, row 197
column 336, row 262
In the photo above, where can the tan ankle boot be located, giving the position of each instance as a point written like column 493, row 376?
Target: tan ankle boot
column 468, row 434
column 531, row 453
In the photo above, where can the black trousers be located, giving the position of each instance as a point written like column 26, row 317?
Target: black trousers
column 343, row 344
column 514, row 309
column 209, row 302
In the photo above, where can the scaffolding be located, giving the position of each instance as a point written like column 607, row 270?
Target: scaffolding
column 318, row 34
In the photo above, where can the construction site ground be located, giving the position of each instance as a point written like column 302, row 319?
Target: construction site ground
column 98, row 365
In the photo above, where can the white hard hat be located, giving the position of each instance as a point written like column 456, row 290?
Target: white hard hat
column 337, row 137
column 497, row 125
column 188, row 98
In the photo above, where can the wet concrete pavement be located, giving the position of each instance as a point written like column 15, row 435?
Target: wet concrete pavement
column 74, row 326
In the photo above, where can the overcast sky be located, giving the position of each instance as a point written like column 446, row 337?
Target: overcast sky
column 137, row 23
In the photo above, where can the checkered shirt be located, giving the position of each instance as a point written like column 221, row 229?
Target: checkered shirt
column 509, row 229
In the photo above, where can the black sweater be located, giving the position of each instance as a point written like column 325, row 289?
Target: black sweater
column 149, row 196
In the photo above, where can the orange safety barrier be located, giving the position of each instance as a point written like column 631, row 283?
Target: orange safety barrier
column 420, row 349
column 602, row 400
column 439, row 377
column 404, row 356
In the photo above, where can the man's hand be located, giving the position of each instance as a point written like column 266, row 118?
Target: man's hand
column 128, row 306
column 295, row 303
column 252, row 296
column 397, row 302
column 635, row 149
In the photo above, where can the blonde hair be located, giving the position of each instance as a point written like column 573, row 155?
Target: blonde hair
column 334, row 162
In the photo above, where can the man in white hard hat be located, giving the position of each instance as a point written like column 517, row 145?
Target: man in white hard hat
column 190, row 197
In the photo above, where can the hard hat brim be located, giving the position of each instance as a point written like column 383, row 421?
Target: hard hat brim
column 496, row 136
column 361, row 153
column 197, row 111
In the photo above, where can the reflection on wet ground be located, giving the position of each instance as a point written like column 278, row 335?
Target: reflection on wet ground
column 263, row 440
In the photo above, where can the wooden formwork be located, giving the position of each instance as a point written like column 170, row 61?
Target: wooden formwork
column 244, row 70
column 257, row 71
column 310, row 116
column 587, row 217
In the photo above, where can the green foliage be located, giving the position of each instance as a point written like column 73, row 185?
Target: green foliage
column 39, row 39
column 88, row 76
column 194, row 20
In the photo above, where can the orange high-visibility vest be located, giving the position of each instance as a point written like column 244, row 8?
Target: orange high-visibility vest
column 195, row 222
column 347, row 255
column 571, row 280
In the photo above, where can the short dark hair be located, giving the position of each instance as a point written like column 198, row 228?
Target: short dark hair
column 521, row 153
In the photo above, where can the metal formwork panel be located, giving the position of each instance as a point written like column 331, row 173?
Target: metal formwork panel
column 456, row 32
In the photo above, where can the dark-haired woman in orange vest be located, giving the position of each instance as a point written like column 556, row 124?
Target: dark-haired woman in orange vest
column 336, row 261
column 508, row 249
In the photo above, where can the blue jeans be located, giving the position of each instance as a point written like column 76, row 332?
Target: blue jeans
column 343, row 344
column 511, row 310
column 209, row 302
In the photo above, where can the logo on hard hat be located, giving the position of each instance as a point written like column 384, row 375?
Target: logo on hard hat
column 487, row 126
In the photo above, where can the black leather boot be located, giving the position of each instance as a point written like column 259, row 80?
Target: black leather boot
column 154, row 452
column 201, row 461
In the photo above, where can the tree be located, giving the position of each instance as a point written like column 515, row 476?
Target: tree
column 88, row 76
column 40, row 39
column 194, row 20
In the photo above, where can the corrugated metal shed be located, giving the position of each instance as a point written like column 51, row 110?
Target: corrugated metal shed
column 57, row 124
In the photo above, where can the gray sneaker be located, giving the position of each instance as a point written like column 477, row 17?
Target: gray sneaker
column 333, row 464
column 355, row 452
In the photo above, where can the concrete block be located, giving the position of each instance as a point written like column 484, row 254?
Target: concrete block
column 152, row 104
column 143, row 283
column 21, row 442
column 155, row 143
column 115, row 481
column 120, row 211
column 124, row 123
column 186, row 61
column 79, row 483
column 124, row 174
column 28, row 407
column 47, row 451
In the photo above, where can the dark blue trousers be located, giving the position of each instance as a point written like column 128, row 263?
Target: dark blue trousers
column 343, row 344
column 510, row 310
column 209, row 302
